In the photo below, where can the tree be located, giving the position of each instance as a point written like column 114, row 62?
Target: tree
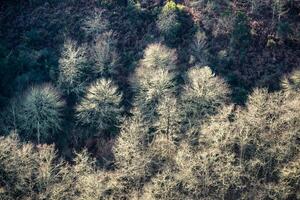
column 24, row 168
column 95, row 24
column 257, row 6
column 163, row 186
column 139, row 155
column 290, row 177
column 207, row 170
column 72, row 66
column 169, row 121
column 151, row 86
column 80, row 181
column 291, row 83
column 40, row 114
column 158, row 56
column 105, row 55
column 100, row 109
column 168, row 22
column 203, row 94
column 130, row 149
column 278, row 7
column 36, row 172
column 199, row 49
column 266, row 132
column 261, row 141
column 154, row 78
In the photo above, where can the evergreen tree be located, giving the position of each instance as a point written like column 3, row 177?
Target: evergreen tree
column 241, row 35
column 9, row 117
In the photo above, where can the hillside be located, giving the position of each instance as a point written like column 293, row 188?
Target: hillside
column 150, row 99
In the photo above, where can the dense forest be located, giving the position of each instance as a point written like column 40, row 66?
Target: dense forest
column 149, row 99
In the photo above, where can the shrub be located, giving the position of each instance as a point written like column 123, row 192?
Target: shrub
column 40, row 114
column 72, row 66
column 100, row 108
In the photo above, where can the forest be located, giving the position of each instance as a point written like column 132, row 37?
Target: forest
column 149, row 99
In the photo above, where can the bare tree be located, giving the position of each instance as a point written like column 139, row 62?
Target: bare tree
column 40, row 114
column 100, row 108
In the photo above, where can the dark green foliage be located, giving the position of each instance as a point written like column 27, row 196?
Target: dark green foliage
column 241, row 36
column 283, row 30
column 4, row 72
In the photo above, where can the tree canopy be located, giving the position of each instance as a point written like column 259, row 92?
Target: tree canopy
column 149, row 99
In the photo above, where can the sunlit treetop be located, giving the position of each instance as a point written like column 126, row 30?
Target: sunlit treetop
column 100, row 108
column 202, row 83
column 159, row 56
column 72, row 64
